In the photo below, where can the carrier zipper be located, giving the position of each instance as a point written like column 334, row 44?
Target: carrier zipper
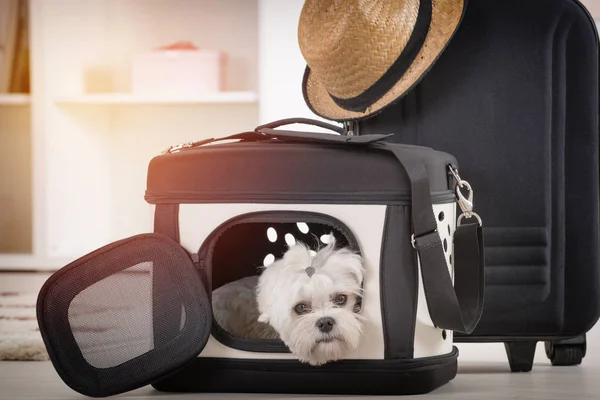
column 201, row 145
column 196, row 261
column 395, row 198
column 199, row 261
column 198, row 264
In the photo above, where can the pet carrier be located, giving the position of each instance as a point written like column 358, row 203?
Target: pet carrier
column 138, row 311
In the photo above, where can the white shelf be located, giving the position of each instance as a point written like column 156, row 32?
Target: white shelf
column 131, row 99
column 14, row 99
column 81, row 119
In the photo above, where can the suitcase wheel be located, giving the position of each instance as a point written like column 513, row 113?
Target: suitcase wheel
column 566, row 352
column 520, row 355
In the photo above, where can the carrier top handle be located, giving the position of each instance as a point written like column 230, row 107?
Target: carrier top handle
column 305, row 121
column 268, row 131
column 316, row 137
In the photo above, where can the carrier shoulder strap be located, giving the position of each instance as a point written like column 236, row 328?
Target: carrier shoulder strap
column 454, row 307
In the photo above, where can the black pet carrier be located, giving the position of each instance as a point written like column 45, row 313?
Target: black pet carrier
column 138, row 311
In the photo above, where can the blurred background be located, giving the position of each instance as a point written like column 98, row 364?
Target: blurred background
column 84, row 107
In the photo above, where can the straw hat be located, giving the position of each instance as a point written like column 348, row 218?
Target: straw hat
column 362, row 55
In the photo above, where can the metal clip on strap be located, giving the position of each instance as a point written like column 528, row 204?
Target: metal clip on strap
column 464, row 202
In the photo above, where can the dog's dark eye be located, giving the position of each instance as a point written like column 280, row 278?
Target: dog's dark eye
column 340, row 299
column 301, row 308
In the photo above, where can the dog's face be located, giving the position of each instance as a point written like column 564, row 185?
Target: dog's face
column 314, row 302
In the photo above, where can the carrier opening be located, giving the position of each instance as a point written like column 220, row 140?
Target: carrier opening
column 240, row 249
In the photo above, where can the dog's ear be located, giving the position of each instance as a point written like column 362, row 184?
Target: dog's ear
column 263, row 318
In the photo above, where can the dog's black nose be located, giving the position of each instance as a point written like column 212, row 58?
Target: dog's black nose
column 325, row 324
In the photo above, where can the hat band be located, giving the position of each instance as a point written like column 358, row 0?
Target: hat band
column 361, row 102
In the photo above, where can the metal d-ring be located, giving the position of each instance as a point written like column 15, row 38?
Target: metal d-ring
column 469, row 215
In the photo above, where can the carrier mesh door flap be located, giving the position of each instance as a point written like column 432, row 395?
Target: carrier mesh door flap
column 124, row 315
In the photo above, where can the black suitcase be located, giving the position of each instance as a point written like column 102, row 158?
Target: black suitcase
column 515, row 98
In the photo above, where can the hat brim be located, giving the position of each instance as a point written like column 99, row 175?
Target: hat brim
column 446, row 16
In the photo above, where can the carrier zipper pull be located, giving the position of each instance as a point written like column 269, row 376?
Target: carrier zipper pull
column 177, row 147
column 200, row 267
column 351, row 128
column 198, row 264
column 182, row 146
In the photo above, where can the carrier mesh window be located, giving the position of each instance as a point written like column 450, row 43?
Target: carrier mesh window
column 243, row 248
column 121, row 316
column 112, row 319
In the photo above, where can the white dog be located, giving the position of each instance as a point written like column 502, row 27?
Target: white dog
column 311, row 303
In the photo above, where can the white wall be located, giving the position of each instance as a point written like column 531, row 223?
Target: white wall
column 593, row 7
column 281, row 66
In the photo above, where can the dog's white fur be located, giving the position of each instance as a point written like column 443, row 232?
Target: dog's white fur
column 285, row 284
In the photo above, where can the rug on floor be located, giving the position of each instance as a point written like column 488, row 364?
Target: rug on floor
column 20, row 338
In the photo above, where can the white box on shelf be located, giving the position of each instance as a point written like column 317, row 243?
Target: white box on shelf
column 178, row 73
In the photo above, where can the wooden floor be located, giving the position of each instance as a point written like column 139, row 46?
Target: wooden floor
column 38, row 380
column 483, row 372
